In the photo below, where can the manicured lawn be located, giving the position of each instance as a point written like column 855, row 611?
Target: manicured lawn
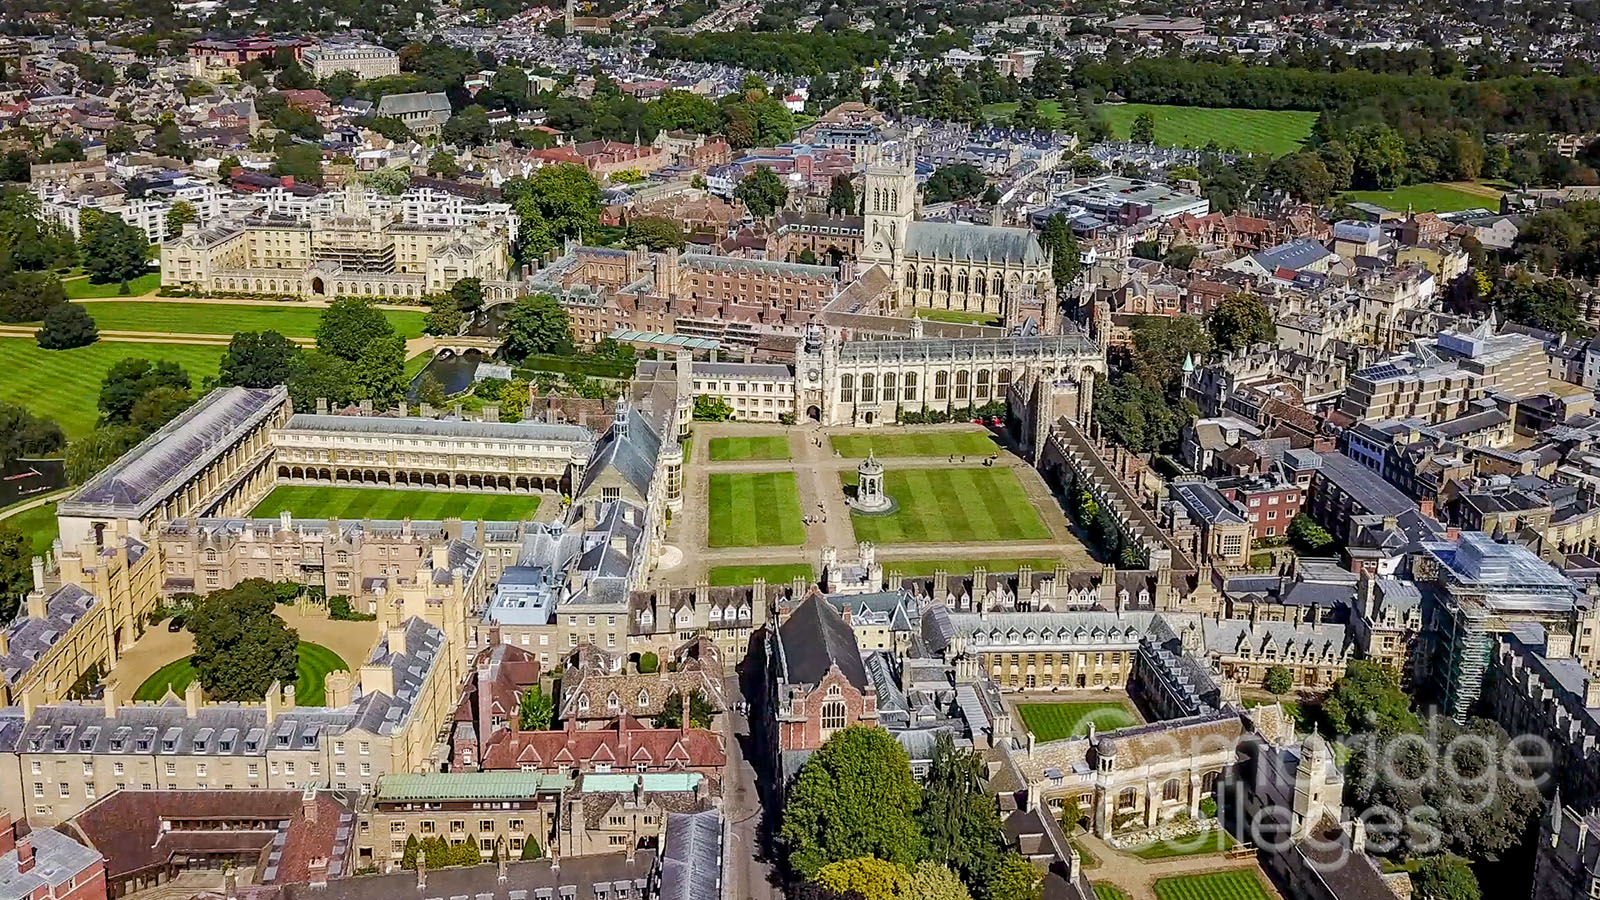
column 38, row 525
column 913, row 568
column 1049, row 111
column 315, row 502
column 1085, row 858
column 726, row 448
column 1239, row 884
column 958, row 317
column 915, row 443
column 80, row 288
column 1427, row 198
column 289, row 320
column 1247, row 130
column 734, row 576
column 1213, row 841
column 311, row 672
column 415, row 365
column 1054, row 721
column 755, row 510
column 65, row 384
column 945, row 505
column 1109, row 892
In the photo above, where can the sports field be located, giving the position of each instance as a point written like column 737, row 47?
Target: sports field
column 81, row 288
column 1049, row 111
column 754, row 510
column 734, row 576
column 179, row 317
column 65, row 384
column 1239, row 884
column 311, row 672
column 1214, row 841
column 1248, row 130
column 951, row 505
column 728, row 448
column 317, row 502
column 1432, row 197
column 919, row 567
column 1054, row 721
column 915, row 443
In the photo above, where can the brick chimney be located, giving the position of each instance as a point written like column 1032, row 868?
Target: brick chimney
column 24, row 856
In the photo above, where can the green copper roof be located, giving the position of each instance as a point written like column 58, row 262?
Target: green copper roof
column 468, row 786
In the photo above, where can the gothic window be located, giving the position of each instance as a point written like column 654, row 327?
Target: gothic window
column 888, row 386
column 1128, row 799
column 941, row 385
column 847, row 389
column 869, row 388
column 927, row 279
column 894, row 201
column 983, row 384
column 944, row 280
column 877, row 199
column 911, row 385
column 961, row 282
column 980, row 284
column 911, row 276
column 1169, row 791
column 1002, row 381
column 961, row 385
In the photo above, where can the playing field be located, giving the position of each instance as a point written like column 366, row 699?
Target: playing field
column 919, row 567
column 316, row 502
column 311, row 672
column 755, row 510
column 82, row 288
column 226, row 318
column 1239, row 884
column 735, row 576
column 1049, row 111
column 915, row 443
column 1214, row 841
column 951, row 505
column 1054, row 721
column 727, row 448
column 1433, row 197
column 38, row 525
column 65, row 384
column 1247, row 130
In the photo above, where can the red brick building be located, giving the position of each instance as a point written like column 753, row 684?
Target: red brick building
column 48, row 865
column 817, row 682
column 491, row 701
column 1271, row 503
column 625, row 745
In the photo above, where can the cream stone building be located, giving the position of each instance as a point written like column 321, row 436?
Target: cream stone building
column 505, row 808
column 365, row 61
column 357, row 251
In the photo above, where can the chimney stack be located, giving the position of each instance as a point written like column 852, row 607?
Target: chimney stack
column 25, row 856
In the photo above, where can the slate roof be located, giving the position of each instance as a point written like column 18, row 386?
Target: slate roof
column 631, row 446
column 577, row 878
column 816, row 637
column 30, row 638
column 691, row 862
column 415, row 102
column 1206, row 503
column 959, row 241
column 439, row 428
column 56, row 859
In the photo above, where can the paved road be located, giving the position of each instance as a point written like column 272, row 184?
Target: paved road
column 750, row 873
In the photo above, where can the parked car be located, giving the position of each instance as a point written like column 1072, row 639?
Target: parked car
column 176, row 624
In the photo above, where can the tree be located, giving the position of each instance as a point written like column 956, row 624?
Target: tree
column 240, row 645
column 22, row 434
column 864, row 876
column 700, row 711
column 443, row 164
column 1066, row 260
column 934, row 881
column 320, row 376
column 430, row 390
column 1307, row 534
column 470, row 126
column 649, row 663
column 27, row 296
column 182, row 213
column 535, row 710
column 1550, row 303
column 65, row 327
column 762, row 192
column 1445, row 878
column 841, row 196
column 466, row 853
column 558, row 202
column 444, row 318
column 257, row 359
column 855, row 796
column 87, row 455
column 1279, row 680
column 1368, row 698
column 531, row 850
column 1013, row 878
column 113, row 250
column 379, row 372
column 349, row 325
column 961, row 181
column 131, row 379
column 1240, row 321
column 467, row 293
column 16, row 569
column 655, row 232
column 303, row 162
column 1144, row 129
column 158, row 407
column 408, row 858
column 537, row 324
column 712, row 409
column 390, row 181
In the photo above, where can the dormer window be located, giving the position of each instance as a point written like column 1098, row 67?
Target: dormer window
column 644, row 698
column 583, row 703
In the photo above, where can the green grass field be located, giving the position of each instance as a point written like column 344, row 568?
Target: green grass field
column 755, row 510
column 1249, row 130
column 1239, row 884
column 311, row 672
column 735, row 576
column 912, row 568
column 951, row 505
column 316, row 502
column 179, row 317
column 38, row 525
column 957, row 317
column 1054, row 721
column 915, row 443
column 1433, row 197
column 1109, row 892
column 1214, row 841
column 728, row 448
column 82, row 288
column 1049, row 111
column 65, row 384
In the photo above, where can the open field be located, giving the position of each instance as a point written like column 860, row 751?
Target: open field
column 1249, row 130
column 729, row 448
column 316, row 502
column 1054, row 721
column 314, row 663
column 65, row 384
column 915, row 443
column 734, row 576
column 958, row 317
column 912, row 568
column 287, row 319
column 38, row 525
column 1213, row 841
column 81, row 288
column 943, row 505
column 1239, row 884
column 1049, row 111
column 754, row 510
column 1433, row 197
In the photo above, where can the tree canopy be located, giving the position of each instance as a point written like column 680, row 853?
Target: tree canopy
column 536, row 324
column 762, row 192
column 130, row 380
column 960, row 181
column 1240, row 321
column 258, row 360
column 113, row 250
column 1368, row 698
column 240, row 645
column 855, row 796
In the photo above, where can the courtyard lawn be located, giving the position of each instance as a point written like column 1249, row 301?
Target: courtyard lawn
column 1238, row 884
column 1434, row 197
column 951, row 505
column 288, row 319
column 1214, row 841
column 736, row 576
column 755, row 510
column 957, row 317
column 1109, row 892
column 728, row 448
column 916, row 568
column 313, row 664
column 81, row 288
column 1247, row 130
column 1054, row 721
column 915, row 443
column 317, row 502
column 65, row 384
column 38, row 525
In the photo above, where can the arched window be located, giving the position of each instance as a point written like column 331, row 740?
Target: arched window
column 1128, row 799
column 911, row 276
column 927, row 279
column 980, row 284
column 961, row 385
column 911, row 385
column 983, row 384
column 888, row 386
column 847, row 389
column 941, row 385
column 869, row 388
column 833, row 715
column 961, row 282
column 894, row 200
column 1208, row 783
column 944, row 280
column 1002, row 382
column 1169, row 791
